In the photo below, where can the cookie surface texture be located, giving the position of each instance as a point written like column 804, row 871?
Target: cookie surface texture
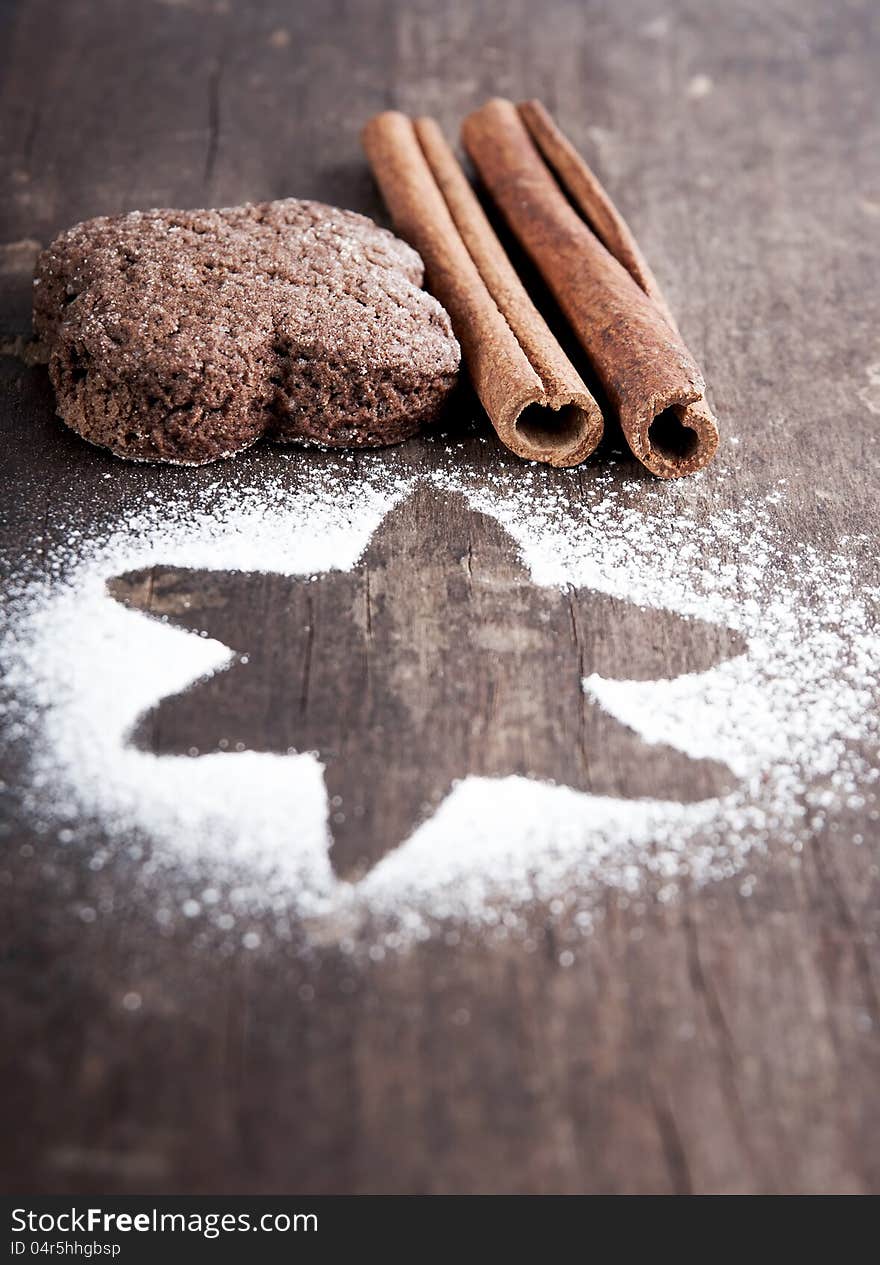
column 185, row 336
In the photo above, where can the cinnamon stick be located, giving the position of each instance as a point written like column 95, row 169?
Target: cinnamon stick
column 600, row 280
column 590, row 197
column 533, row 395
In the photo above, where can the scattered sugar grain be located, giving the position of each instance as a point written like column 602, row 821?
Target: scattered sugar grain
column 794, row 717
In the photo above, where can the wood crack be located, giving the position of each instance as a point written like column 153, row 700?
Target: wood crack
column 672, row 1144
column 722, row 1036
column 582, row 713
column 213, row 121
column 307, row 662
column 861, row 956
column 32, row 132
column 368, row 603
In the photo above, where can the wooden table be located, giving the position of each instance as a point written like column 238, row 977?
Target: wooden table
column 714, row 1042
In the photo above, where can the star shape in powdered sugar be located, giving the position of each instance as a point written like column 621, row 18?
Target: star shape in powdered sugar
column 435, row 658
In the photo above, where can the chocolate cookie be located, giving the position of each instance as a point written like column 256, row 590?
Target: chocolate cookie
column 186, row 335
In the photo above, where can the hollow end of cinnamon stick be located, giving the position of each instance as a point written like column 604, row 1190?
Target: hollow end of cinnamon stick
column 560, row 432
column 535, row 399
column 677, row 440
column 549, row 430
column 559, row 436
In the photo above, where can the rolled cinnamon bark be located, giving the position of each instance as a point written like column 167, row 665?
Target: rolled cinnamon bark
column 608, row 295
column 532, row 393
column 590, row 197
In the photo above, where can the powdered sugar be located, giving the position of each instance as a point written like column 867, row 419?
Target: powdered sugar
column 794, row 718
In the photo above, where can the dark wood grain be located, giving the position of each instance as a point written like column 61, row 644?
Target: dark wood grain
column 715, row 1042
